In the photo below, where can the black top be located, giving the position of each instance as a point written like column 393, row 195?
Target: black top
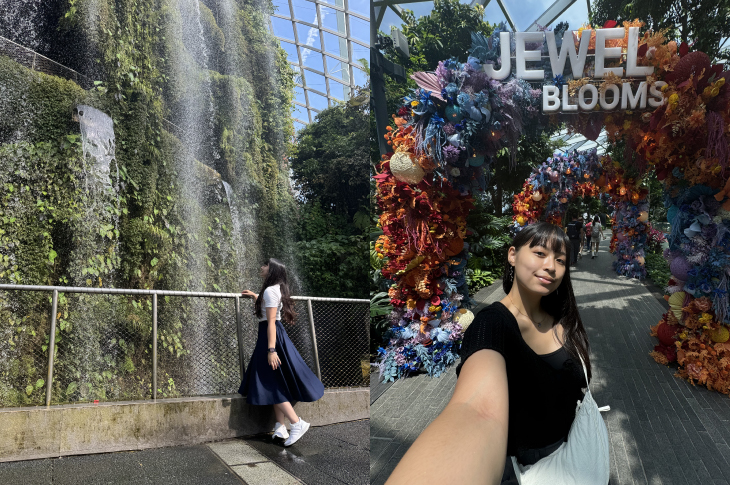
column 543, row 389
column 574, row 233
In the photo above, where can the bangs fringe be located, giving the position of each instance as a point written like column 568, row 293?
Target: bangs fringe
column 551, row 237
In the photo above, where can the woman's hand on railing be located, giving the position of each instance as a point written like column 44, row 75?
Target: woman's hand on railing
column 249, row 294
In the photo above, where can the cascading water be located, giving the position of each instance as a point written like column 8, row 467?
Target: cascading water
column 20, row 20
column 196, row 44
column 97, row 142
column 235, row 216
column 193, row 105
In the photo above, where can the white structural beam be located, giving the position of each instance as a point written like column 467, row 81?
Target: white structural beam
column 380, row 6
column 551, row 14
column 502, row 6
column 507, row 15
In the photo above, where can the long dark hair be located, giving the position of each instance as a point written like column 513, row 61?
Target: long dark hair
column 277, row 276
column 560, row 304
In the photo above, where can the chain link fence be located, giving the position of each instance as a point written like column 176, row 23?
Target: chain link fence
column 102, row 343
column 24, row 335
column 341, row 332
column 197, row 347
column 102, row 348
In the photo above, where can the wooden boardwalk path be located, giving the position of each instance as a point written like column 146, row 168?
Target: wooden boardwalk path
column 662, row 430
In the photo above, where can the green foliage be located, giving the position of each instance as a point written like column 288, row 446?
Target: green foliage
column 35, row 107
column 657, row 268
column 657, row 211
column 489, row 240
column 478, row 279
column 142, row 236
column 444, row 33
column 330, row 170
column 700, row 22
column 380, row 308
column 334, row 266
column 330, row 160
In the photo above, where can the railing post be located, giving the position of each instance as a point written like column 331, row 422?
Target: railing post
column 314, row 339
column 154, row 346
column 51, row 347
column 239, row 335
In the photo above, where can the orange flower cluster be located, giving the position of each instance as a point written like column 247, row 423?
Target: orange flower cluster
column 700, row 345
column 620, row 185
column 609, row 43
column 403, row 139
column 688, row 130
column 528, row 206
column 424, row 225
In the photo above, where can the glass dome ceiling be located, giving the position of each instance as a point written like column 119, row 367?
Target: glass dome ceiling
column 324, row 41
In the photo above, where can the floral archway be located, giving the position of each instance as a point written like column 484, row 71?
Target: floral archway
column 446, row 136
column 551, row 186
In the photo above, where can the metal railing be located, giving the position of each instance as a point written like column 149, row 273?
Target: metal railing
column 37, row 62
column 343, row 325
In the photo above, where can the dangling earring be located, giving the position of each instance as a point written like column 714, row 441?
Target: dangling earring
column 511, row 273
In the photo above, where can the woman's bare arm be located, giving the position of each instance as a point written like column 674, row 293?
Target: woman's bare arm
column 273, row 358
column 469, row 438
column 271, row 326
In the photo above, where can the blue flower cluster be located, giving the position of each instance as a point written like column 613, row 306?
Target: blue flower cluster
column 631, row 246
column 699, row 245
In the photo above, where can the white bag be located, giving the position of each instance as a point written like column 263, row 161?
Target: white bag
column 582, row 460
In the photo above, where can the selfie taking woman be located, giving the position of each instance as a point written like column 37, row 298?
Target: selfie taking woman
column 519, row 380
column 277, row 374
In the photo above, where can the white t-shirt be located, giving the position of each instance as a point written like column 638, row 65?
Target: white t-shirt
column 272, row 299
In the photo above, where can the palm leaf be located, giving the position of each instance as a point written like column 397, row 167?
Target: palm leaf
column 429, row 82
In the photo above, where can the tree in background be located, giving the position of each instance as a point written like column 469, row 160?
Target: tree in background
column 330, row 170
column 506, row 181
column 701, row 23
column 443, row 34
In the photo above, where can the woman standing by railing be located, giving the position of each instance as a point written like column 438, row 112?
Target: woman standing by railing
column 277, row 374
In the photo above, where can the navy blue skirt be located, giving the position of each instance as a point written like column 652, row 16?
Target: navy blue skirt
column 293, row 381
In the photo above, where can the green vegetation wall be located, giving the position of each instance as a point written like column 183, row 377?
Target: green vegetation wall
column 330, row 167
column 163, row 219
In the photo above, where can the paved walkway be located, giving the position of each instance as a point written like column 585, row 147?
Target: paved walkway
column 327, row 455
column 662, row 430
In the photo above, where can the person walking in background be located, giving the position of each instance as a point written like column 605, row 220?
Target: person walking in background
column 596, row 236
column 588, row 226
column 276, row 373
column 575, row 234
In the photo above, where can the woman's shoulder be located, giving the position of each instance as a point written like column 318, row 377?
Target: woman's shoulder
column 493, row 323
column 495, row 315
column 493, row 329
column 273, row 290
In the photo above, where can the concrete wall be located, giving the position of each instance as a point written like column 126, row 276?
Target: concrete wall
column 30, row 433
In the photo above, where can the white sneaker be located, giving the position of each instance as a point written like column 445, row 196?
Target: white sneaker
column 297, row 431
column 280, row 431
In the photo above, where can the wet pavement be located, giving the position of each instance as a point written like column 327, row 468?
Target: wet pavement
column 335, row 454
